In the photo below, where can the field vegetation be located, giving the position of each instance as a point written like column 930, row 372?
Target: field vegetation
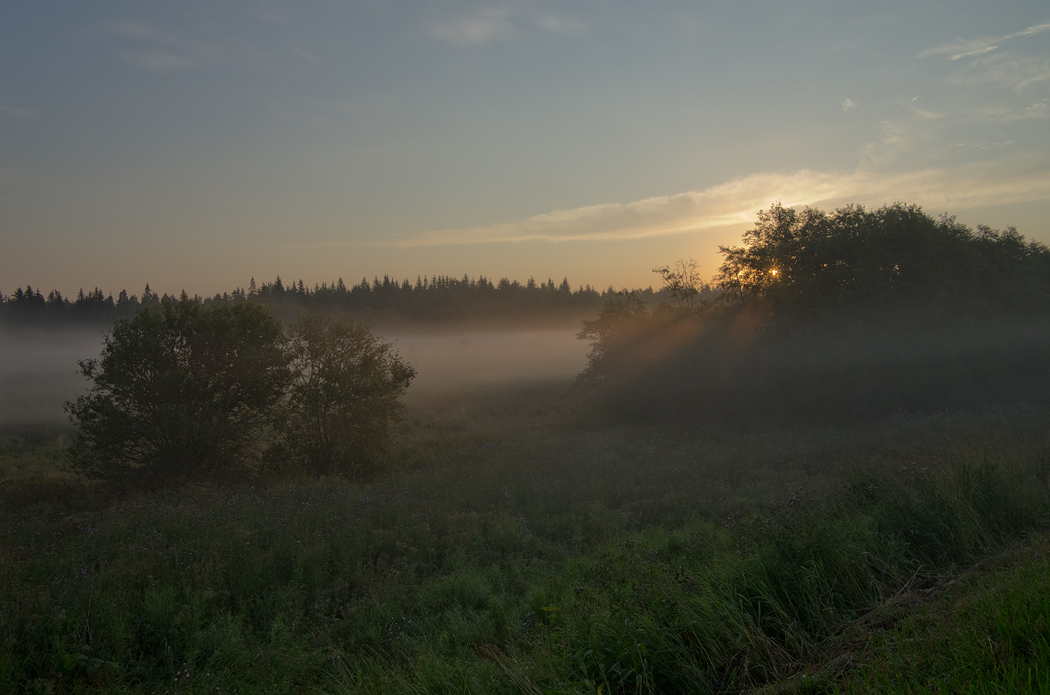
column 834, row 479
column 524, row 544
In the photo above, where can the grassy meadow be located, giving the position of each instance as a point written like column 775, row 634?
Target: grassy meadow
column 520, row 541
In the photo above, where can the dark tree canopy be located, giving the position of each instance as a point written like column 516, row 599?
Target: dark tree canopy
column 619, row 320
column 346, row 394
column 181, row 389
column 891, row 257
column 184, row 389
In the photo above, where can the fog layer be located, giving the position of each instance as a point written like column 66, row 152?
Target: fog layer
column 452, row 360
column 39, row 373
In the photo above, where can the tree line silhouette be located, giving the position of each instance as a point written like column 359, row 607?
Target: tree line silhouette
column 435, row 298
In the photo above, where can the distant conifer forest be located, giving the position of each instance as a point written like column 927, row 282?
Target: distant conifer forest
column 435, row 298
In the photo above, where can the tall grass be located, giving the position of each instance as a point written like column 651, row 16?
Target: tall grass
column 989, row 632
column 518, row 546
column 33, row 451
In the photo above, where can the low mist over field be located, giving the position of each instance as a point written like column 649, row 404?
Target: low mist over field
column 39, row 373
column 447, row 361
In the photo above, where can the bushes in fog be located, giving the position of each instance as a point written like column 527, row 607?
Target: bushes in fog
column 621, row 318
column 346, row 393
column 181, row 389
column 851, row 313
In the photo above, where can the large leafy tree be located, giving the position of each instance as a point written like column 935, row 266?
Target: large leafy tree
column 892, row 257
column 346, row 395
column 181, row 389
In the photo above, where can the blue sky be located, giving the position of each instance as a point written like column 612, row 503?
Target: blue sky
column 197, row 144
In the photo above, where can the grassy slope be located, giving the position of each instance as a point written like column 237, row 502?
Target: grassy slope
column 521, row 544
column 983, row 630
column 986, row 631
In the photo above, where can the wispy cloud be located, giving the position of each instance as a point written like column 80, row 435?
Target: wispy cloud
column 1012, row 71
column 16, row 112
column 963, row 48
column 489, row 24
column 559, row 25
column 848, row 104
column 894, row 140
column 1036, row 29
column 156, row 49
column 928, row 115
column 983, row 145
column 127, row 29
column 736, row 202
column 479, row 27
column 974, row 51
column 1038, row 110
column 1006, row 114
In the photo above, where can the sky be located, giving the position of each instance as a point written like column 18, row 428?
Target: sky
column 195, row 145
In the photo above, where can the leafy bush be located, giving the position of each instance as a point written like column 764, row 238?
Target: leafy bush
column 181, row 390
column 346, row 394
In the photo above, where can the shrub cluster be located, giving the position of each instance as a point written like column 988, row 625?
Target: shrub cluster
column 181, row 389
